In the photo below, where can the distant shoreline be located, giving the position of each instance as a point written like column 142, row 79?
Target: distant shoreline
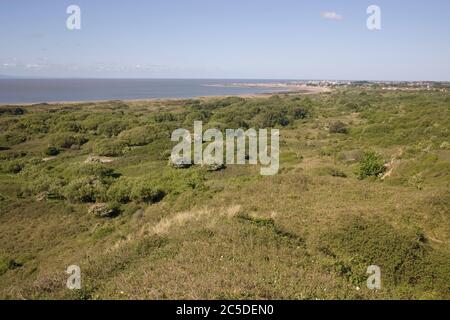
column 278, row 88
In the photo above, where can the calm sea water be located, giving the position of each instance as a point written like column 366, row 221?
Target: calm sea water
column 52, row 90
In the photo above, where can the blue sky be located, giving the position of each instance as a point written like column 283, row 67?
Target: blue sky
column 283, row 39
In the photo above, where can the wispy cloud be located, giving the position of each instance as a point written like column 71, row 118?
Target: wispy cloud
column 331, row 15
column 44, row 68
column 35, row 66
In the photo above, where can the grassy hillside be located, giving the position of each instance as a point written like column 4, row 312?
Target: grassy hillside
column 364, row 180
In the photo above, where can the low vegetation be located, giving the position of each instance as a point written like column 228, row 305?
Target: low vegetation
column 364, row 180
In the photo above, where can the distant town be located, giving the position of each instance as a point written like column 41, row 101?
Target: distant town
column 325, row 85
column 385, row 85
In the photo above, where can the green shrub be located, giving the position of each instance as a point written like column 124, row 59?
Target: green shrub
column 144, row 191
column 139, row 136
column 109, row 148
column 371, row 165
column 10, row 139
column 67, row 140
column 111, row 128
column 164, row 117
column 44, row 183
column 92, row 122
column 120, row 191
column 140, row 190
column 87, row 189
column 272, row 118
column 198, row 115
column 404, row 256
column 51, row 151
column 68, row 126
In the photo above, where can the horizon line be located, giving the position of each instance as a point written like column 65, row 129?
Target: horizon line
column 12, row 77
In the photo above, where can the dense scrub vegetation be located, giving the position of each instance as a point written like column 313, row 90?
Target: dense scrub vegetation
column 364, row 179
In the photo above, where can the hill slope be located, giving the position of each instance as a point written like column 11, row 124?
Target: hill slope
column 309, row 232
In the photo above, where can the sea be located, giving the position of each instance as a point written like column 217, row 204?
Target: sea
column 16, row 91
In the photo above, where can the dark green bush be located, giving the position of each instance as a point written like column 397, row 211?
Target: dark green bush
column 12, row 111
column 51, row 151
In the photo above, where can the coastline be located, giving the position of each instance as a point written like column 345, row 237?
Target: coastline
column 279, row 88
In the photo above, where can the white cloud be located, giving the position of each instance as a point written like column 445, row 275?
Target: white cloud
column 331, row 15
column 34, row 66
